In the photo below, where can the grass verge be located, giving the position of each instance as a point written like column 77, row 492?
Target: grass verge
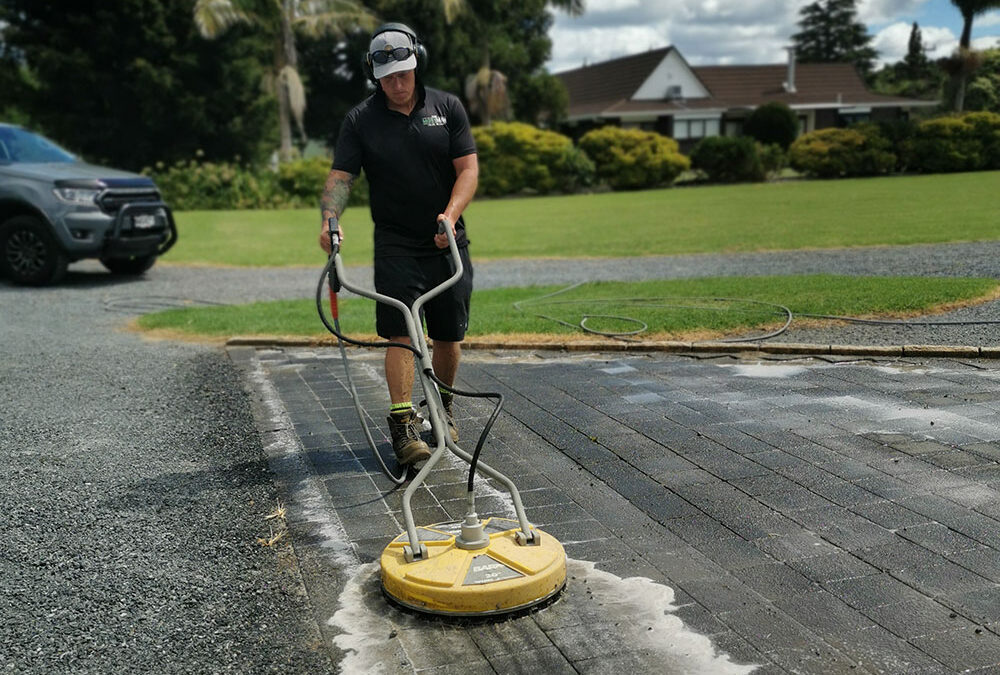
column 671, row 309
column 753, row 217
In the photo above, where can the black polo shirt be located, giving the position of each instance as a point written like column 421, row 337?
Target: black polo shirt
column 408, row 163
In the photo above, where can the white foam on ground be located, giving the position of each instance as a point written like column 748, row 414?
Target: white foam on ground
column 650, row 625
column 885, row 411
column 367, row 633
column 282, row 444
column 370, row 628
column 638, row 610
column 765, row 370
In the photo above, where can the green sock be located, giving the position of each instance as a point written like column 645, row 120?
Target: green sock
column 400, row 407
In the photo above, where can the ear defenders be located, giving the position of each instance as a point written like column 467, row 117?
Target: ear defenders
column 418, row 49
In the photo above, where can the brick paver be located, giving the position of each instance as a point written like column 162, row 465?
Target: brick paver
column 810, row 515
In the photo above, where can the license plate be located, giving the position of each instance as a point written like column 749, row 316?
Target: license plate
column 144, row 222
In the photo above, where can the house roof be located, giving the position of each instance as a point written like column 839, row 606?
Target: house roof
column 606, row 89
column 611, row 81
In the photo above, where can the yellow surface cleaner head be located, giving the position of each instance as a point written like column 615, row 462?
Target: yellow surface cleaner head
column 501, row 575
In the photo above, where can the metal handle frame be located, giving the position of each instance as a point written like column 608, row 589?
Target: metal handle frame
column 416, row 550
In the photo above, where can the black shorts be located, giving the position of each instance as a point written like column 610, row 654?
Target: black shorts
column 406, row 278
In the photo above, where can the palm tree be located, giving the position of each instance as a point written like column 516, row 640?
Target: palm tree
column 486, row 89
column 279, row 20
column 965, row 61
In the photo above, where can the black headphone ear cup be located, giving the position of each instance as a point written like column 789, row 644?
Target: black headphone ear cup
column 366, row 68
column 421, row 52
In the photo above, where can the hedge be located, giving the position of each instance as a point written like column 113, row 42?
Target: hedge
column 832, row 153
column 196, row 184
column 516, row 157
column 961, row 142
column 629, row 159
column 728, row 159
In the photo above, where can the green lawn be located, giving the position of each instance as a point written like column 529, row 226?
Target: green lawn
column 754, row 217
column 671, row 309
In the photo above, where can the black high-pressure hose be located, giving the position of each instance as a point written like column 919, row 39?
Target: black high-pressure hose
column 329, row 275
column 489, row 423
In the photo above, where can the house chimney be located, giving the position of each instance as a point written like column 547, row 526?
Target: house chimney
column 789, row 83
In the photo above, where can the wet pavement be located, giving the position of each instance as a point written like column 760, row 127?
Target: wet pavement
column 722, row 512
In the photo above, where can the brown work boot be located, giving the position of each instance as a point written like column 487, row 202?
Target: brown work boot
column 406, row 441
column 447, row 398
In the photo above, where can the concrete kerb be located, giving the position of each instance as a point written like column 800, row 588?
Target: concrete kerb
column 680, row 347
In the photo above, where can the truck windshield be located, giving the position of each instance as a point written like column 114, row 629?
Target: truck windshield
column 20, row 146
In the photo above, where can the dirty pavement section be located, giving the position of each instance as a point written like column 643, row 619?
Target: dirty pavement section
column 798, row 515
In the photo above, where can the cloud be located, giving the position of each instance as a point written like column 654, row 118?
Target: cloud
column 705, row 31
column 987, row 20
column 879, row 12
column 893, row 41
column 739, row 31
column 574, row 47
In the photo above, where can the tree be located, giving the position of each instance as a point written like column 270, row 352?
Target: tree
column 983, row 92
column 14, row 83
column 970, row 9
column 132, row 83
column 773, row 123
column 278, row 21
column 964, row 62
column 515, row 33
column 831, row 33
column 915, row 60
column 915, row 76
column 540, row 99
column 486, row 88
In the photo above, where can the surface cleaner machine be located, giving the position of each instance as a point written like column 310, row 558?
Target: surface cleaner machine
column 471, row 567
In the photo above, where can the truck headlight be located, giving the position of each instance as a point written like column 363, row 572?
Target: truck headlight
column 75, row 195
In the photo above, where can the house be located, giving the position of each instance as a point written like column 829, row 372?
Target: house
column 659, row 91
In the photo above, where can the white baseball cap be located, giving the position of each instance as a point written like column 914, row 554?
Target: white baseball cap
column 389, row 46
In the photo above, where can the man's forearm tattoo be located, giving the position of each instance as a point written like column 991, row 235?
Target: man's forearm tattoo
column 335, row 194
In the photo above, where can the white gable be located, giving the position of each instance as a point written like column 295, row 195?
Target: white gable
column 671, row 73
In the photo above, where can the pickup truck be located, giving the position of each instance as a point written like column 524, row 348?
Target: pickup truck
column 56, row 209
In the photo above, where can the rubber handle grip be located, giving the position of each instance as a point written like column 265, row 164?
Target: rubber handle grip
column 333, row 304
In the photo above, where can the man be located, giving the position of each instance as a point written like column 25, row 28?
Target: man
column 417, row 151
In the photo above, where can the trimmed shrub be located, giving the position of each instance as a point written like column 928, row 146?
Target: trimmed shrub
column 773, row 157
column 832, row 153
column 773, row 123
column 727, row 159
column 899, row 133
column 962, row 142
column 193, row 184
column 303, row 179
column 516, row 157
column 629, row 159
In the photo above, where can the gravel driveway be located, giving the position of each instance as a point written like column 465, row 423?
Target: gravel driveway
column 135, row 490
column 133, row 494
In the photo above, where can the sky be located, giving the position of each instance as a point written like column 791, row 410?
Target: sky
column 721, row 32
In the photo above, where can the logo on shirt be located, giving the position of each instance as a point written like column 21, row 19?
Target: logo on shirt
column 435, row 121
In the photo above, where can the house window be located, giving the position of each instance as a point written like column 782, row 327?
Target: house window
column 644, row 126
column 696, row 128
column 854, row 118
column 848, row 116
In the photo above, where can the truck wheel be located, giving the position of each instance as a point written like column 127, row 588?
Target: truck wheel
column 29, row 254
column 129, row 266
